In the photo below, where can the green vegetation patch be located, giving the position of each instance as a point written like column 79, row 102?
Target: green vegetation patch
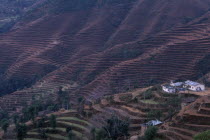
column 148, row 94
column 149, row 102
column 62, row 129
column 32, row 133
column 72, row 119
column 155, row 114
column 203, row 136
column 72, row 125
column 57, row 136
column 31, row 139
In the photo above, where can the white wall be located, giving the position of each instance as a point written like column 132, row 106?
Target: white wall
column 194, row 88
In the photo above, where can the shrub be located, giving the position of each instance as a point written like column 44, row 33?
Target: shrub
column 113, row 130
column 173, row 102
column 100, row 134
column 4, row 125
column 126, row 97
column 117, row 128
column 110, row 99
column 53, row 121
column 150, row 133
column 71, row 135
column 157, row 88
column 21, row 130
column 97, row 101
column 147, row 94
column 40, row 123
column 43, row 134
column 155, row 114
column 203, row 136
column 135, row 100
column 68, row 129
column 141, row 138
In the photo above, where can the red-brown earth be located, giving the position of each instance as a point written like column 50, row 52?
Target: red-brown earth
column 103, row 49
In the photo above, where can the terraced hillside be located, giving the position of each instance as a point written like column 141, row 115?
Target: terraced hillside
column 80, row 128
column 189, row 122
column 81, row 125
column 105, row 48
column 12, row 10
column 66, row 121
column 133, row 106
column 16, row 101
column 138, row 106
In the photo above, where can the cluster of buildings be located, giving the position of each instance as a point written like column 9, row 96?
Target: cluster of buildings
column 183, row 86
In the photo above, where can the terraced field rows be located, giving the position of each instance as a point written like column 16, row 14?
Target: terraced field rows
column 80, row 128
column 137, row 113
column 16, row 101
column 189, row 122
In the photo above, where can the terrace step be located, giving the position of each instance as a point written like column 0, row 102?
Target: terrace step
column 196, row 127
column 175, row 135
column 182, row 131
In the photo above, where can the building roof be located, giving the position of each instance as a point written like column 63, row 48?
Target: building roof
column 168, row 86
column 177, row 84
column 192, row 83
column 153, row 123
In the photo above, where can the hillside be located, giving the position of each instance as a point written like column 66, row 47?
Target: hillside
column 103, row 47
column 190, row 121
column 107, row 48
column 11, row 12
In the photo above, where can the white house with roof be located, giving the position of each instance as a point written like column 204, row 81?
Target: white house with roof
column 194, row 86
column 177, row 84
column 152, row 123
column 168, row 89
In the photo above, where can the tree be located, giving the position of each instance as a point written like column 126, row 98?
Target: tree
column 63, row 98
column 148, row 94
column 53, row 121
column 113, row 130
column 155, row 114
column 80, row 99
column 150, row 133
column 40, row 123
column 5, row 125
column 68, row 129
column 21, row 130
column 3, row 115
column 93, row 133
column 71, row 135
column 81, row 102
column 15, row 118
column 101, row 134
column 173, row 102
column 43, row 133
column 116, row 128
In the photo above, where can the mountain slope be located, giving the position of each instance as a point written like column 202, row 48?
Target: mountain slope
column 12, row 10
column 105, row 48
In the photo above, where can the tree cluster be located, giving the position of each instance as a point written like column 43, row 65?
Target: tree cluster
column 114, row 129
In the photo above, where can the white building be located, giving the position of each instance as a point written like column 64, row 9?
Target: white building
column 154, row 123
column 194, row 86
column 168, row 89
column 177, row 84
